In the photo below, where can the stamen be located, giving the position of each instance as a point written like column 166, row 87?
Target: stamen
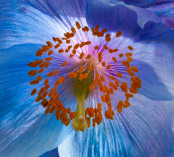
column 86, row 77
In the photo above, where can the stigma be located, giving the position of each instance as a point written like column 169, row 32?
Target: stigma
column 95, row 73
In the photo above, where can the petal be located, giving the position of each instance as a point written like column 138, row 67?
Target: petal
column 151, row 86
column 118, row 16
column 147, row 3
column 142, row 130
column 36, row 22
column 25, row 129
column 158, row 54
column 166, row 13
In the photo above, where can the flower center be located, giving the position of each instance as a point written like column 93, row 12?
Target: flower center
column 94, row 70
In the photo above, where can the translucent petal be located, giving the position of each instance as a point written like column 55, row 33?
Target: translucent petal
column 166, row 13
column 25, row 129
column 42, row 21
column 119, row 16
column 147, row 3
column 142, row 130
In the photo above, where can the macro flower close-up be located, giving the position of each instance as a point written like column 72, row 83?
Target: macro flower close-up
column 87, row 78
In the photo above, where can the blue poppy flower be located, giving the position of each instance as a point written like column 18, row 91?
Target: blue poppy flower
column 114, row 59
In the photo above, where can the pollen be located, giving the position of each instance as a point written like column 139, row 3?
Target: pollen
column 95, row 69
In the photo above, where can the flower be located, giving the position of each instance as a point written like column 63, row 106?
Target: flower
column 135, row 48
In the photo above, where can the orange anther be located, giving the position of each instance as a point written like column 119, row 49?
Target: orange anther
column 103, row 31
column 57, row 83
column 80, row 76
column 114, row 59
column 105, row 46
column 126, row 63
column 124, row 86
column 110, row 51
column 120, row 55
column 41, row 70
column 128, row 54
column 42, row 65
column 130, row 47
column 81, row 55
column 88, row 56
column 47, row 63
column 73, row 30
column 108, row 39
column 103, row 63
column 71, row 55
column 74, row 52
column 57, row 45
column 85, row 29
column 39, row 52
column 111, row 90
column 96, row 47
column 78, row 25
column 111, row 84
column 81, row 69
column 56, row 72
column 134, row 68
column 50, row 73
column 50, row 52
column 119, row 74
column 117, row 83
column 119, row 108
column 100, row 57
column 91, row 87
column 34, row 91
column 68, row 41
column 71, row 74
column 108, row 66
column 35, row 63
column 88, row 42
column 48, row 58
column 61, row 50
column 85, row 75
column 129, row 59
column 74, row 75
column 115, row 50
column 107, row 35
column 102, row 78
column 46, row 82
column 76, row 46
column 119, row 33
column 38, row 78
column 127, row 103
column 64, row 63
column 49, row 43
column 103, row 98
column 90, row 68
column 130, row 72
column 112, row 77
column 34, row 82
column 32, row 73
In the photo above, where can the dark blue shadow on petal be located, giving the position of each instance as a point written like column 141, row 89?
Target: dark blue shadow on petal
column 120, row 16
column 52, row 153
column 151, row 86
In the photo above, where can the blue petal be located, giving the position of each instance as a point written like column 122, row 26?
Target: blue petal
column 151, row 86
column 35, row 22
column 118, row 16
column 166, row 13
column 25, row 129
column 147, row 3
column 142, row 130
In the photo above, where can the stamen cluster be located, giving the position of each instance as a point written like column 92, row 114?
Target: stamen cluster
column 50, row 98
